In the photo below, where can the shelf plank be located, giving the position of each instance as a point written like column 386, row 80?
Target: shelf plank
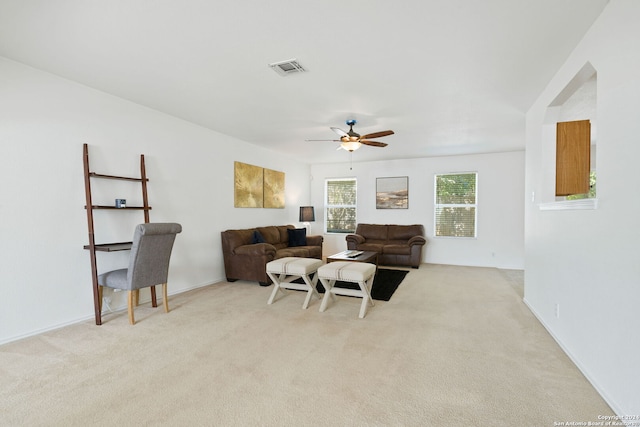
column 122, row 178
column 111, row 247
column 148, row 208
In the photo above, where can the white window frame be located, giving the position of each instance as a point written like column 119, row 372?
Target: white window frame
column 327, row 206
column 437, row 205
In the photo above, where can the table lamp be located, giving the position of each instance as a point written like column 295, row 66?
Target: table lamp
column 307, row 215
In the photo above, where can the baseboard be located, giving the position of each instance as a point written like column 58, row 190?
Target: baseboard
column 47, row 329
column 181, row 291
column 612, row 404
column 91, row 316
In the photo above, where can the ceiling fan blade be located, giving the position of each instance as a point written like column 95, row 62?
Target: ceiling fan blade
column 322, row 140
column 340, row 132
column 373, row 143
column 377, row 134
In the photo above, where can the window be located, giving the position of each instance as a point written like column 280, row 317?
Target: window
column 340, row 208
column 455, row 205
column 591, row 194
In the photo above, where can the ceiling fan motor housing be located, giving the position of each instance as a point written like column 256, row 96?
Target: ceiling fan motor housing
column 353, row 136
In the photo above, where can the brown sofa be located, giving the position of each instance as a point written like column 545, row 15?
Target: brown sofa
column 246, row 253
column 395, row 244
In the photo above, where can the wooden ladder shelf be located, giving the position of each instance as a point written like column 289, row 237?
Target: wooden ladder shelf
column 93, row 247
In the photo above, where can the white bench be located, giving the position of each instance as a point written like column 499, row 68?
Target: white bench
column 283, row 271
column 346, row 271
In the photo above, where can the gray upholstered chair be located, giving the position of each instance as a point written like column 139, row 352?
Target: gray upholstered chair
column 148, row 263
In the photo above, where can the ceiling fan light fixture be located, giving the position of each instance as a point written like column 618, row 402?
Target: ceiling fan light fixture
column 351, row 145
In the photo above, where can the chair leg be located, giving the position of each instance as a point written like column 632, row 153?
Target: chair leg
column 154, row 301
column 165, row 299
column 131, row 297
column 100, row 298
column 136, row 297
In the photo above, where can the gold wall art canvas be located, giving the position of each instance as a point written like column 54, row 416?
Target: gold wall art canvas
column 248, row 186
column 273, row 189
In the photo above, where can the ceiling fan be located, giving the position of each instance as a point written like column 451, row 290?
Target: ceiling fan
column 351, row 140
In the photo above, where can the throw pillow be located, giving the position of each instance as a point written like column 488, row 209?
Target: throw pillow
column 297, row 237
column 257, row 237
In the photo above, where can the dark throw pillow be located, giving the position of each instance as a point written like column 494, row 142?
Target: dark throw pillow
column 257, row 237
column 297, row 237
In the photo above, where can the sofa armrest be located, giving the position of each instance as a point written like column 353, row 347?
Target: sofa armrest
column 417, row 240
column 315, row 240
column 355, row 238
column 256, row 250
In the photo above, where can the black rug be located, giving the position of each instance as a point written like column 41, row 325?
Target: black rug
column 384, row 284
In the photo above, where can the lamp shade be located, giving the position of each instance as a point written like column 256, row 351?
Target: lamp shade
column 307, row 214
column 351, row 145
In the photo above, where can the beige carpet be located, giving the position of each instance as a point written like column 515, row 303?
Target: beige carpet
column 455, row 346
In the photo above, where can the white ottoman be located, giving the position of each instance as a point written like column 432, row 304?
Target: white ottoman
column 354, row 272
column 284, row 270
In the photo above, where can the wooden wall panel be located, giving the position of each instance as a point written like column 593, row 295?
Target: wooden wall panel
column 573, row 157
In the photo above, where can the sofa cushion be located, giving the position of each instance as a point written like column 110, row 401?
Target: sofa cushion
column 372, row 231
column 397, row 242
column 257, row 237
column 402, row 249
column 404, row 232
column 270, row 234
column 373, row 247
column 284, row 234
column 301, row 251
column 297, row 237
column 375, row 242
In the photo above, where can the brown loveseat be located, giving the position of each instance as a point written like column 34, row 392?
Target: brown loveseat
column 395, row 244
column 246, row 252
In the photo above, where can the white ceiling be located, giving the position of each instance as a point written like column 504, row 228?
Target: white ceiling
column 448, row 76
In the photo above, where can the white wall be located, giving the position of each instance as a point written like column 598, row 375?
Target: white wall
column 500, row 227
column 44, row 120
column 587, row 261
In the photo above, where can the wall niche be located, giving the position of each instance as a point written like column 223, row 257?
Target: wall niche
column 569, row 140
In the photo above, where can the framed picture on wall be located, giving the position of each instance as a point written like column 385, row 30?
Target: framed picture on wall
column 248, row 186
column 392, row 193
column 273, row 189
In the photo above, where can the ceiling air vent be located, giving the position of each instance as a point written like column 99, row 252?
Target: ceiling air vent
column 287, row 67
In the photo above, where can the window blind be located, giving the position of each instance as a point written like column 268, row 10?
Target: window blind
column 341, row 197
column 455, row 205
